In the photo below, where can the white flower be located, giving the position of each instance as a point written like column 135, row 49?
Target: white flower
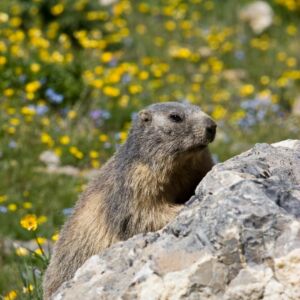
column 49, row 158
column 258, row 14
column 107, row 2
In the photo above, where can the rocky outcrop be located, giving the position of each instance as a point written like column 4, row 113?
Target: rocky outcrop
column 238, row 238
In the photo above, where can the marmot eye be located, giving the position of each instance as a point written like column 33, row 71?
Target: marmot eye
column 175, row 118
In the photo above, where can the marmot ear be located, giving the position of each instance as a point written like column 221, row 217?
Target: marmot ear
column 145, row 116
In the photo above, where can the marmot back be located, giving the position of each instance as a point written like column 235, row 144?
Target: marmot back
column 140, row 189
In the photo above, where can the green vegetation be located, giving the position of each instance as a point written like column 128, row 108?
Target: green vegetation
column 72, row 73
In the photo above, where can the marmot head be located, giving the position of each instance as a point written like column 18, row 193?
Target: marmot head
column 173, row 127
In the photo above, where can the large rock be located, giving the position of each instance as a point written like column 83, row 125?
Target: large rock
column 238, row 238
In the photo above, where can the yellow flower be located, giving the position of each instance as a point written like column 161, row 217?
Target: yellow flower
column 282, row 82
column 170, row 25
column 123, row 136
column 281, row 56
column 144, row 8
column 29, row 222
column 11, row 110
column 143, row 75
column 10, row 295
column 72, row 114
column 124, row 101
column 180, row 53
column 57, row 9
column 238, row 115
column 291, row 62
column 264, row 80
column 28, row 289
column 76, row 152
column 3, row 60
column 55, row 237
column 292, row 29
column 94, row 154
column 65, row 140
column 3, row 198
column 27, row 205
column 27, row 111
column 147, row 60
column 21, row 251
column 289, row 4
column 30, row 96
column 42, row 220
column 221, row 95
column 11, row 130
column 8, row 92
column 14, row 121
column 186, row 25
column 32, row 87
column 58, row 151
column 97, row 83
column 293, row 74
column 216, row 65
column 57, row 57
column 38, row 251
column 47, row 139
column 96, row 15
column 99, row 70
column 106, row 57
column 135, row 89
column 41, row 240
column 103, row 138
column 15, row 22
column 35, row 67
column 3, row 17
column 12, row 207
column 264, row 94
column 219, row 112
column 95, row 163
column 45, row 121
column 111, row 91
column 246, row 90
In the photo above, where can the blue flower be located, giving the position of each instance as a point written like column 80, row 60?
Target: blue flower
column 3, row 209
column 54, row 97
column 12, row 144
column 256, row 110
column 240, row 55
column 99, row 115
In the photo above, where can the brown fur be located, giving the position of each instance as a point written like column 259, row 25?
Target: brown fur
column 140, row 189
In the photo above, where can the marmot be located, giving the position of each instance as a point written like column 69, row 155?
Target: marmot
column 140, row 189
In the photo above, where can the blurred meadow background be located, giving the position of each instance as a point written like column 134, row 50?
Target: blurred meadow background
column 74, row 72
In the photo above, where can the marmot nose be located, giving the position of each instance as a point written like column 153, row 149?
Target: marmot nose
column 210, row 129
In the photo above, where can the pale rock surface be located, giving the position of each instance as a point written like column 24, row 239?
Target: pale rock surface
column 237, row 239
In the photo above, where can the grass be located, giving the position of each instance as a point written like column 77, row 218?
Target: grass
column 72, row 73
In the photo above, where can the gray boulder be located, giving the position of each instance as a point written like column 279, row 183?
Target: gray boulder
column 238, row 238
